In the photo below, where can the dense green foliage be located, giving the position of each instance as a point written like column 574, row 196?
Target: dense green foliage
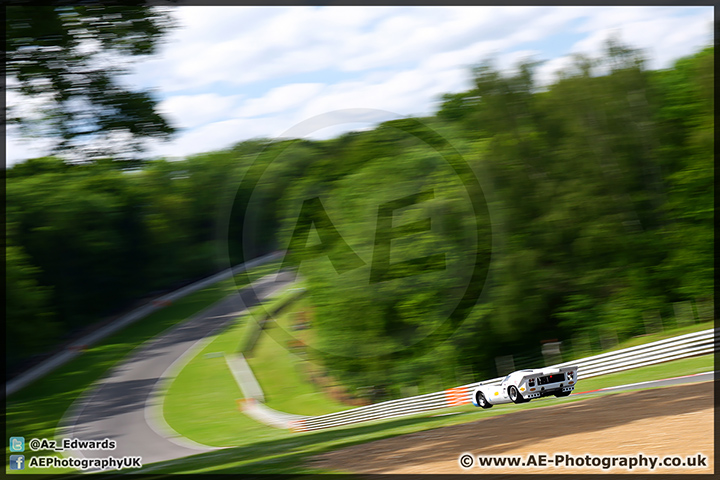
column 70, row 57
column 103, row 235
column 595, row 213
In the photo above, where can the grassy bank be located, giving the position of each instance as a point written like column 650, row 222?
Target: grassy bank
column 277, row 369
column 201, row 403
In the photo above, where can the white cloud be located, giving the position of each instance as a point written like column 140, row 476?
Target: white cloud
column 230, row 73
column 603, row 18
column 217, row 135
column 187, row 111
column 546, row 73
column 292, row 41
column 661, row 34
column 278, row 99
column 664, row 36
column 263, row 43
column 18, row 149
column 509, row 61
column 332, row 123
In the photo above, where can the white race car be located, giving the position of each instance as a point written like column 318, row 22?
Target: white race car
column 524, row 385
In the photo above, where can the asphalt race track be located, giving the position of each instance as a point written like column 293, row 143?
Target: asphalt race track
column 115, row 407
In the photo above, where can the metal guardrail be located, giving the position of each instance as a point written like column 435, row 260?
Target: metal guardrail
column 76, row 347
column 683, row 346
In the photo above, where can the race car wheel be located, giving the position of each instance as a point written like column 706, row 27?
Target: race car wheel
column 481, row 400
column 562, row 394
column 514, row 394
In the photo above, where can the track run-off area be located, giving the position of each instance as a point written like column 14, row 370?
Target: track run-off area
column 651, row 423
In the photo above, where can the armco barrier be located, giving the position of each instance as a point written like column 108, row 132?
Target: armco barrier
column 689, row 345
column 75, row 349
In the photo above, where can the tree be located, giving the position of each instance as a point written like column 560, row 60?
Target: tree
column 687, row 119
column 29, row 319
column 70, row 58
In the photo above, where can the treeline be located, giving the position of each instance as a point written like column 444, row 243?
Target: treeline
column 599, row 194
column 593, row 212
column 85, row 241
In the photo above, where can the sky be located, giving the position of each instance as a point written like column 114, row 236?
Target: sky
column 227, row 74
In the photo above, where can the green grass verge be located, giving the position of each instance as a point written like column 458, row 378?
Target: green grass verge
column 36, row 410
column 675, row 368
column 260, row 449
column 277, row 371
column 273, row 305
column 201, row 402
column 654, row 337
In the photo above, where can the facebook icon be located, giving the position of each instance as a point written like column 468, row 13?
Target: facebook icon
column 17, row 462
